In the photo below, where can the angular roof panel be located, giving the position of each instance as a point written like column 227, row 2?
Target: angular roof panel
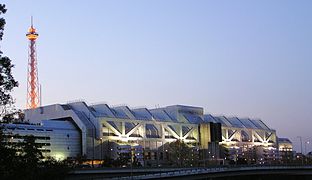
column 194, row 119
column 160, row 115
column 235, row 122
column 209, row 118
column 102, row 110
column 248, row 124
column 223, row 120
column 142, row 114
column 260, row 124
column 119, row 113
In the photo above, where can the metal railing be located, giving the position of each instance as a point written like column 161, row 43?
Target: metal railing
column 202, row 171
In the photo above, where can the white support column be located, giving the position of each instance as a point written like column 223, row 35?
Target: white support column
column 232, row 135
column 144, row 131
column 188, row 133
column 172, row 132
column 123, row 128
column 268, row 138
column 226, row 134
column 115, row 131
column 258, row 136
column 133, row 129
column 162, row 132
column 180, row 132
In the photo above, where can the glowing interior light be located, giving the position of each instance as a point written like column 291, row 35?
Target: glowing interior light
column 59, row 157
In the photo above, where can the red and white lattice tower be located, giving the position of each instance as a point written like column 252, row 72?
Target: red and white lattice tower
column 33, row 97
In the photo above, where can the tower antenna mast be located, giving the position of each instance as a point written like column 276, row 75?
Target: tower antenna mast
column 33, row 98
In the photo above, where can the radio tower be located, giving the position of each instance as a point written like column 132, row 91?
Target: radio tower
column 33, row 98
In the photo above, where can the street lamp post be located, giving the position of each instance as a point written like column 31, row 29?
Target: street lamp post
column 300, row 137
column 131, row 163
column 300, row 143
column 101, row 149
column 305, row 151
column 108, row 145
column 305, row 146
column 93, row 138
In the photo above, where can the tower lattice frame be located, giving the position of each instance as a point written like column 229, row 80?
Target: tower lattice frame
column 33, row 96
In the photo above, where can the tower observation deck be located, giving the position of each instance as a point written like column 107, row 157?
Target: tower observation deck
column 33, row 98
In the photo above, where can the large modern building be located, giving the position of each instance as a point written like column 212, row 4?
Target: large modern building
column 98, row 131
column 286, row 152
column 58, row 138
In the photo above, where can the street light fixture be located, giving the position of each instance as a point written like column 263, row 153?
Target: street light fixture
column 305, row 151
column 305, row 146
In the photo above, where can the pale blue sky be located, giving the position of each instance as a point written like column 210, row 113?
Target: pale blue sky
column 235, row 58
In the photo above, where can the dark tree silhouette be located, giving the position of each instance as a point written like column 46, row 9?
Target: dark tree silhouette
column 20, row 160
column 24, row 160
column 181, row 155
column 30, row 151
column 8, row 158
column 7, row 82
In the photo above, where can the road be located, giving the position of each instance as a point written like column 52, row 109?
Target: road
column 266, row 172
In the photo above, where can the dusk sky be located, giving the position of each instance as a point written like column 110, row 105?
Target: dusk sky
column 234, row 58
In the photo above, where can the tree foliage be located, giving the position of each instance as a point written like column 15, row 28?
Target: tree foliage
column 24, row 160
column 181, row 155
column 14, row 116
column 2, row 21
column 7, row 81
column 20, row 160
